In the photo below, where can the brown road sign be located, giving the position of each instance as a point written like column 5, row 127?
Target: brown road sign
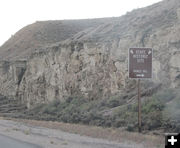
column 140, row 63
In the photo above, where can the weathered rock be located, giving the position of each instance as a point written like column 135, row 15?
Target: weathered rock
column 93, row 63
column 90, row 72
column 11, row 74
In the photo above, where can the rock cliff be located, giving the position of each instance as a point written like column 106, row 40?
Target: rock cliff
column 92, row 61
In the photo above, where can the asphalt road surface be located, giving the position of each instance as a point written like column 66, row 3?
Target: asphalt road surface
column 7, row 142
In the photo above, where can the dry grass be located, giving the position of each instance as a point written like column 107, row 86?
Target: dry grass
column 52, row 142
column 26, row 132
column 112, row 134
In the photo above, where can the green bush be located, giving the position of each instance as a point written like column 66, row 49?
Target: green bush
column 165, row 95
column 114, row 112
column 171, row 114
column 152, row 105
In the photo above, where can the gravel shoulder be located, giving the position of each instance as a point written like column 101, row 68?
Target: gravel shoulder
column 60, row 135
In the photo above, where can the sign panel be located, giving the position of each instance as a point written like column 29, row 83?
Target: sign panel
column 140, row 63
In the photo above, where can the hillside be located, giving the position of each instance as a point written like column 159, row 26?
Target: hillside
column 76, row 71
column 42, row 33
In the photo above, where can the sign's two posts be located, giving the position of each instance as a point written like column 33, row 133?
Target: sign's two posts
column 140, row 66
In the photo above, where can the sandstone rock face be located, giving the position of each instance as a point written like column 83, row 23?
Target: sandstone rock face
column 11, row 74
column 94, row 62
column 91, row 70
column 72, row 69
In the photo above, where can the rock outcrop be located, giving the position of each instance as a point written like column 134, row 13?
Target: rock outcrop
column 11, row 74
column 93, row 62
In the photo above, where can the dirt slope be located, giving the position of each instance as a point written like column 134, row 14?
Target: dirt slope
column 33, row 36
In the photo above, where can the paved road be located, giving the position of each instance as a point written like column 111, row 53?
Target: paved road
column 7, row 142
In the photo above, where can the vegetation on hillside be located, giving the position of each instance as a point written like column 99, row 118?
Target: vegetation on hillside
column 160, row 111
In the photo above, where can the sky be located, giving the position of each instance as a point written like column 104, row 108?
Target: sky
column 16, row 14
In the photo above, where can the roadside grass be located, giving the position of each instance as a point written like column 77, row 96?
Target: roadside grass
column 26, row 132
column 114, row 111
column 64, row 143
column 52, row 142
column 112, row 134
column 16, row 129
column 113, row 118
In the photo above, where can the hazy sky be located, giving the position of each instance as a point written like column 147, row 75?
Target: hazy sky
column 15, row 14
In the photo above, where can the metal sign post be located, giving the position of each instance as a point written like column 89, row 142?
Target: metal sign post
column 139, row 107
column 140, row 66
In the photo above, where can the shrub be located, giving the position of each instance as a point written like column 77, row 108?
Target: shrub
column 160, row 110
column 171, row 114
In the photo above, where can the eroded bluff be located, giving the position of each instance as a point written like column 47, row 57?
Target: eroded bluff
column 91, row 70
column 94, row 62
column 72, row 69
